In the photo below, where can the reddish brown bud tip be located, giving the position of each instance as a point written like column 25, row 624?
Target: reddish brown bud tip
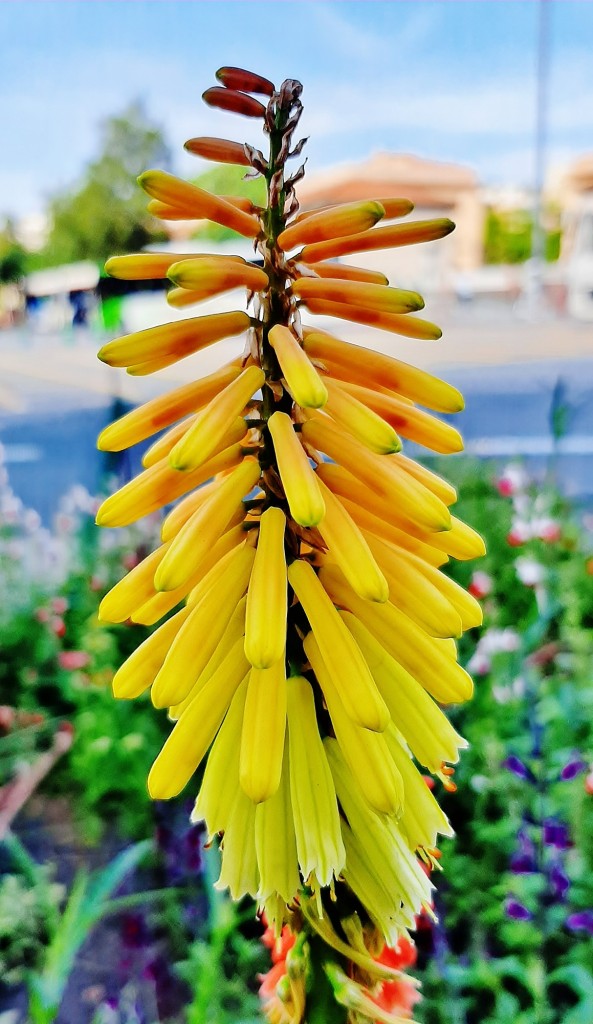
column 237, row 102
column 245, row 81
column 222, row 150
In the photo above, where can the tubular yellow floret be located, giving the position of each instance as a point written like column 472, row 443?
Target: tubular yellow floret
column 347, row 219
column 133, row 590
column 376, row 297
column 406, row 419
column 461, row 541
column 144, row 266
column 413, row 593
column 423, row 656
column 163, row 601
column 217, row 274
column 371, row 523
column 265, row 622
column 350, row 550
column 197, row 727
column 380, row 473
column 377, row 515
column 275, row 843
column 363, row 366
column 174, row 192
column 160, row 485
column 345, row 665
column 173, row 341
column 220, row 783
column 386, row 237
column 425, row 728
column 165, row 212
column 234, row 630
column 306, row 386
column 320, row 848
column 264, row 726
column 160, row 412
column 397, row 323
column 298, row 479
column 366, row 425
column 205, row 434
column 139, row 671
column 235, row 432
column 205, row 526
column 344, row 272
column 203, row 630
column 364, row 749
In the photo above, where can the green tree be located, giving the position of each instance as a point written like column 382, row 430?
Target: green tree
column 12, row 256
column 508, row 236
column 107, row 214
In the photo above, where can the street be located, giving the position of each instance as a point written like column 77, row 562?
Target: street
column 516, row 375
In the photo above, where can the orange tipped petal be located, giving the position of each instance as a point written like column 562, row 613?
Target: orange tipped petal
column 246, row 81
column 176, row 192
column 143, row 266
column 397, row 323
column 212, row 276
column 372, row 296
column 380, row 238
column 235, row 102
column 343, row 220
column 361, row 365
column 222, row 150
column 174, row 340
column 343, row 272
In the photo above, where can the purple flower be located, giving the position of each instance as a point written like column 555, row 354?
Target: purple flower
column 517, row 911
column 582, row 921
column 559, row 881
column 573, row 768
column 134, row 931
column 515, row 765
column 555, row 833
column 523, row 862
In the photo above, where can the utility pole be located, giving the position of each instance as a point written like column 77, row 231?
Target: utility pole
column 538, row 255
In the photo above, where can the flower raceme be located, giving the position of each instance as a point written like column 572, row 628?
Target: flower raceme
column 312, row 634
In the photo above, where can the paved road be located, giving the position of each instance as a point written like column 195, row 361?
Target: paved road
column 55, row 396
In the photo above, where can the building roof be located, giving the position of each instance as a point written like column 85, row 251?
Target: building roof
column 426, row 182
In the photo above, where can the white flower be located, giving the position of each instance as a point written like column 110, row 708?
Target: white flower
column 530, row 572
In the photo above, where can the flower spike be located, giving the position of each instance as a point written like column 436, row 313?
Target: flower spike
column 311, row 632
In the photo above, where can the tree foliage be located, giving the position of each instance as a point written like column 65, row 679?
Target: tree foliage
column 107, row 214
column 12, row 256
column 508, row 236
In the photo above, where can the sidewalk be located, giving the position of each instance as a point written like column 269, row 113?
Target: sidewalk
column 30, row 366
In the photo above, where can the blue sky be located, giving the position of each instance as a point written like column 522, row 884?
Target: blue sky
column 451, row 80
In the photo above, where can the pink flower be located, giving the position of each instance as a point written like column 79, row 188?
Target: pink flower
column 59, row 605
column 589, row 783
column 130, row 561
column 480, row 585
column 42, row 614
column 548, row 530
column 73, row 660
column 513, row 480
column 479, row 664
column 519, row 533
column 57, row 626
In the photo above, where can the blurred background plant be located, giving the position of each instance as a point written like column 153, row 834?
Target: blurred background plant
column 514, row 939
